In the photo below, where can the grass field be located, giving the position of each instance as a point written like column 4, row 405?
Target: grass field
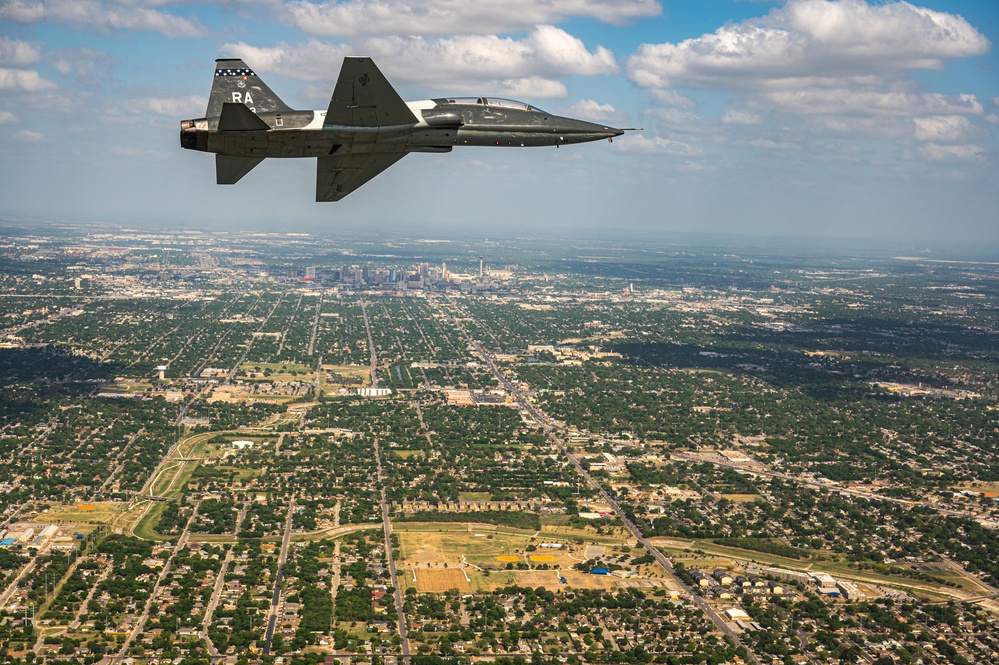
column 362, row 372
column 483, row 554
column 403, row 454
column 474, row 496
column 145, row 527
column 277, row 372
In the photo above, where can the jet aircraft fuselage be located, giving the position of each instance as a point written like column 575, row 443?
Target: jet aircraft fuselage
column 366, row 129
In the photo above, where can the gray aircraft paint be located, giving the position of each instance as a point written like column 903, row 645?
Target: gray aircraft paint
column 365, row 130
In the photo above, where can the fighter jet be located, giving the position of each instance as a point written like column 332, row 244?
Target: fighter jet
column 366, row 129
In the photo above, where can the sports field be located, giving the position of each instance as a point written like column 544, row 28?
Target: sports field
column 437, row 580
column 477, row 559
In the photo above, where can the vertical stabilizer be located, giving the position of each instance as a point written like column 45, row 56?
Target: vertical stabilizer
column 235, row 83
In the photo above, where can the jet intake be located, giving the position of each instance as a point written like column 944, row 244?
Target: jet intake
column 194, row 134
column 430, row 148
column 436, row 118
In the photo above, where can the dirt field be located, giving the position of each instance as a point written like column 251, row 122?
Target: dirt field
column 742, row 498
column 437, row 580
column 73, row 513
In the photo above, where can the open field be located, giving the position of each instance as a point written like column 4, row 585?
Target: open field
column 403, row 454
column 276, row 372
column 75, row 513
column 142, row 520
column 474, row 496
column 573, row 535
column 485, row 554
column 436, row 580
column 483, row 549
column 742, row 498
column 355, row 372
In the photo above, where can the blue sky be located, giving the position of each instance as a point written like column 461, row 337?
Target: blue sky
column 814, row 118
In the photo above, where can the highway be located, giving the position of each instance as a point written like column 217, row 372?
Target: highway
column 387, row 526
column 272, row 616
column 371, row 347
column 666, row 564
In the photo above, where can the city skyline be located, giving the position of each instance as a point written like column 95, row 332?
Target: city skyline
column 805, row 118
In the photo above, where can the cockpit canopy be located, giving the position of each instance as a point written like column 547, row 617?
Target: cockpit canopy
column 490, row 101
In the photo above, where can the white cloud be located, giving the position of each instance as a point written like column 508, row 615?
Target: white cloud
column 447, row 17
column 29, row 136
column 770, row 144
column 837, row 67
column 23, row 80
column 468, row 63
column 889, row 100
column 635, row 142
column 944, row 129
column 953, row 153
column 7, row 118
column 106, row 15
column 734, row 117
column 17, row 53
column 172, row 107
column 672, row 98
column 592, row 110
column 810, row 42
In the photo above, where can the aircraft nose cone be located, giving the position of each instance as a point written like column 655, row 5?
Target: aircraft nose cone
column 581, row 131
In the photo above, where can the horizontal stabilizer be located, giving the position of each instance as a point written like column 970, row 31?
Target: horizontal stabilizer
column 238, row 118
column 229, row 169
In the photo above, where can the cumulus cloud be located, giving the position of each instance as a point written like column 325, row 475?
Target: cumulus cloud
column 29, row 136
column 840, row 67
column 888, row 100
column 657, row 145
column 591, row 110
column 953, row 153
column 771, row 144
column 17, row 53
column 102, row 15
column 944, row 129
column 447, row 17
column 672, row 98
column 171, row 107
column 810, row 42
column 7, row 118
column 734, row 117
column 495, row 65
column 23, row 80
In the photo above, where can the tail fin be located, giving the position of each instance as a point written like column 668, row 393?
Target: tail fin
column 236, row 83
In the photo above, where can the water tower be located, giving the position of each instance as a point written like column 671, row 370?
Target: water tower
column 161, row 369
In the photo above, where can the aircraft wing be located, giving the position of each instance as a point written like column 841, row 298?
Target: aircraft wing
column 339, row 175
column 363, row 97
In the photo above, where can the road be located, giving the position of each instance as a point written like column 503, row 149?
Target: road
column 141, row 622
column 371, row 347
column 13, row 586
column 276, row 598
column 213, row 602
column 666, row 564
column 387, row 526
